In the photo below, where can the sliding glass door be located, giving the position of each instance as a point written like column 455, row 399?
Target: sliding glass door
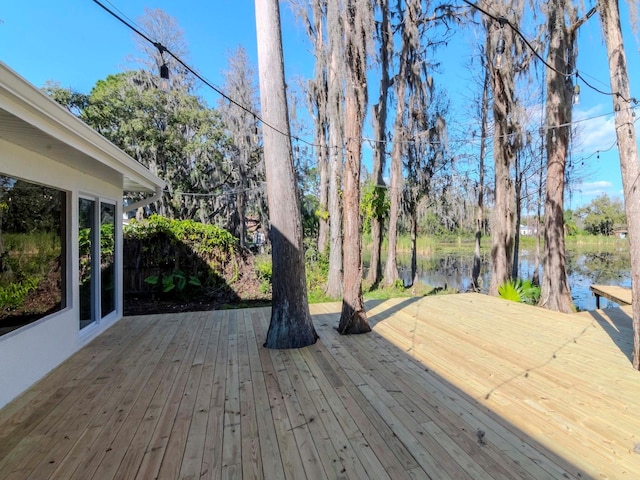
column 97, row 259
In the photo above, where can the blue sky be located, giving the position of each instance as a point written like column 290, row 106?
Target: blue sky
column 76, row 43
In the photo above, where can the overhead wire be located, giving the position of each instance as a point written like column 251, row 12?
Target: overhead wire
column 163, row 49
column 505, row 21
column 372, row 142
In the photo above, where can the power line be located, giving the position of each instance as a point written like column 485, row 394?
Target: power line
column 162, row 49
column 504, row 21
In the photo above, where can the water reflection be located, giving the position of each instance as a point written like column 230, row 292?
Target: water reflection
column 453, row 269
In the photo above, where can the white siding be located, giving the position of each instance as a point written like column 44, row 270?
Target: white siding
column 29, row 353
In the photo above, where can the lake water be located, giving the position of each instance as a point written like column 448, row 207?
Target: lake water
column 610, row 266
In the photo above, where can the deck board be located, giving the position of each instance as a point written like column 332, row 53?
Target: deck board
column 614, row 293
column 459, row 386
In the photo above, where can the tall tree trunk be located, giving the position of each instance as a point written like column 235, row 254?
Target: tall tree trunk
column 353, row 318
column 518, row 218
column 396, row 182
column 502, row 225
column 484, row 114
column 336, row 143
column 628, row 149
column 536, row 260
column 502, row 86
column 323, row 166
column 242, row 211
column 318, row 101
column 291, row 324
column 380, row 149
column 414, row 245
column 555, row 293
column 395, row 194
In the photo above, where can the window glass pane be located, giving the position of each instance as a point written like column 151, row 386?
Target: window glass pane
column 107, row 258
column 86, row 233
column 32, row 252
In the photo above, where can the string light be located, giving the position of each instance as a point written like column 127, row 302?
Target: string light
column 500, row 46
column 164, row 77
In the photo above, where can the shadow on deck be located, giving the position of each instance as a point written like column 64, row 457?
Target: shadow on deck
column 459, row 386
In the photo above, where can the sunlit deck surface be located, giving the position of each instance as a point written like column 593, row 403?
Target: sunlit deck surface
column 459, row 386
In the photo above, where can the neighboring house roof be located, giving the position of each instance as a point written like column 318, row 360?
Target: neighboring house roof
column 31, row 119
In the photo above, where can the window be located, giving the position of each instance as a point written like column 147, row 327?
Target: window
column 107, row 258
column 96, row 250
column 33, row 221
column 86, row 260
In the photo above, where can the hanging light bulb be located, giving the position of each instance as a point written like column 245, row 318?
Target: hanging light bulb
column 164, row 77
column 255, row 132
column 500, row 45
column 576, row 91
column 576, row 94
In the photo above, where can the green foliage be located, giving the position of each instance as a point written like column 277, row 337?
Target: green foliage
column 519, row 290
column 322, row 213
column 375, row 202
column 13, row 295
column 203, row 238
column 30, row 207
column 107, row 239
column 176, row 281
column 602, row 215
column 174, row 133
column 570, row 223
column 72, row 100
column 317, row 271
column 264, row 272
column 170, row 255
column 432, row 225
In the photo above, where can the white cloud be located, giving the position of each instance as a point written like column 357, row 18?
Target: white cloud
column 594, row 130
column 595, row 188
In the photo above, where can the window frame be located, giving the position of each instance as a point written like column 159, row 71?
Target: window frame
column 96, row 281
column 66, row 254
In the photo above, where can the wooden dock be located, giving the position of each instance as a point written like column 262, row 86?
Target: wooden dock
column 447, row 387
column 614, row 293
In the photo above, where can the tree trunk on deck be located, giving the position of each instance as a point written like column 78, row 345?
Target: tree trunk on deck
column 291, row 325
column 555, row 292
column 353, row 318
column 336, row 144
column 628, row 149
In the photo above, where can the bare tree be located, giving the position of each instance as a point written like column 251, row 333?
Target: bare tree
column 359, row 20
column 627, row 148
column 246, row 168
column 426, row 155
column 291, row 324
column 314, row 15
column 407, row 78
column 163, row 29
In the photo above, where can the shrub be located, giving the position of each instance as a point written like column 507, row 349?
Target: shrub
column 264, row 272
column 519, row 290
column 175, row 282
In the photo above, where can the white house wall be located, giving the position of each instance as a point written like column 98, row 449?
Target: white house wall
column 29, row 353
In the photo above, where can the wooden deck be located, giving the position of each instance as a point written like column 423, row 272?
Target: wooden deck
column 447, row 387
column 620, row 295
